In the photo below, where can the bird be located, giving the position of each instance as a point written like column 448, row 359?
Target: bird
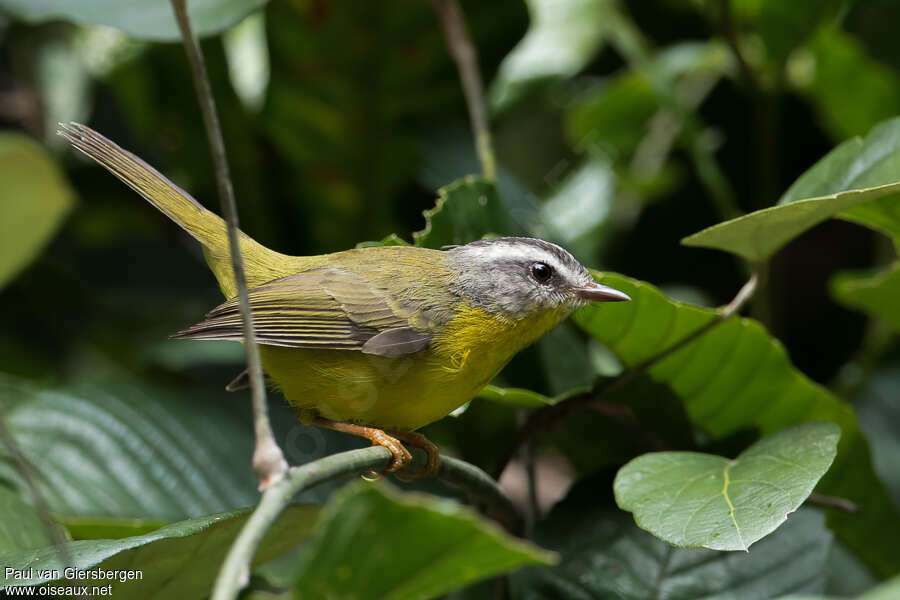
column 376, row 341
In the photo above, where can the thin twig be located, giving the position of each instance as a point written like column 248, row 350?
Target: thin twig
column 833, row 502
column 466, row 57
column 268, row 459
column 235, row 571
column 542, row 419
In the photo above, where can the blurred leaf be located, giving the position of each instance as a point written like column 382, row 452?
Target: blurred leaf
column 514, row 396
column 875, row 294
column 737, row 376
column 605, row 555
column 565, row 360
column 34, row 199
column 785, row 25
column 444, row 546
column 879, row 415
column 167, row 557
column 889, row 590
column 131, row 452
column 563, row 37
column 857, row 181
column 846, row 574
column 389, row 240
column 623, row 422
column 20, row 524
column 694, row 500
column 148, row 19
column 465, row 211
column 851, row 91
column 579, row 208
column 247, row 52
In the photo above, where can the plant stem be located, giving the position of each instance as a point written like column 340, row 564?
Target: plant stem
column 268, row 459
column 235, row 571
column 466, row 57
column 542, row 419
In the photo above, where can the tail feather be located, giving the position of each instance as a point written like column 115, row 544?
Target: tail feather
column 261, row 264
column 156, row 188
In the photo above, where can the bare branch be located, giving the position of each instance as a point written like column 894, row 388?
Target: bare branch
column 268, row 460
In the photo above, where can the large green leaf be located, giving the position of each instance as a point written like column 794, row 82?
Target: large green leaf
column 877, row 294
column 605, row 555
column 858, row 181
column 889, row 590
column 737, row 376
column 562, row 38
column 372, row 542
column 138, row 452
column 694, row 500
column 148, row 19
column 176, row 561
column 34, row 199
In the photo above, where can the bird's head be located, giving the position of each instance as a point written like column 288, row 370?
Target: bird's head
column 517, row 278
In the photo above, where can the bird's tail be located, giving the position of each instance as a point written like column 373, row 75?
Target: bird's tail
column 204, row 225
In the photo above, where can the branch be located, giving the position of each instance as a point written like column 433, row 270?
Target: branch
column 235, row 571
column 833, row 502
column 268, row 460
column 542, row 419
column 466, row 57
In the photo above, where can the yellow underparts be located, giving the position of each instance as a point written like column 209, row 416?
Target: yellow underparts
column 406, row 392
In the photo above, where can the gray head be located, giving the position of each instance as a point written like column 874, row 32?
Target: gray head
column 517, row 277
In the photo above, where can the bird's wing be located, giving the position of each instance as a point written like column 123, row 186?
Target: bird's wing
column 326, row 308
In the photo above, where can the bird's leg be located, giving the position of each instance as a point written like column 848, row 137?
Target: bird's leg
column 417, row 440
column 400, row 455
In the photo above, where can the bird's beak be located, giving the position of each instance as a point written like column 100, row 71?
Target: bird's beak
column 595, row 292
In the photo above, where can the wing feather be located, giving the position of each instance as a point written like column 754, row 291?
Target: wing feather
column 320, row 308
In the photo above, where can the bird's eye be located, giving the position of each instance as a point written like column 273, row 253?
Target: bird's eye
column 541, row 272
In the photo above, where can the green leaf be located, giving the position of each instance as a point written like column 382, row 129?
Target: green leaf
column 34, row 199
column 373, row 542
column 877, row 295
column 389, row 240
column 148, row 19
column 514, row 396
column 179, row 560
column 889, row 590
column 692, row 499
column 850, row 90
column 562, row 39
column 605, row 555
column 879, row 414
column 785, row 25
column 628, row 420
column 99, row 528
column 20, row 524
column 858, row 181
column 737, row 376
column 145, row 453
column 466, row 210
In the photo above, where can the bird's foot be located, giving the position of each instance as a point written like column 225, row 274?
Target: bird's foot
column 417, row 440
column 400, row 456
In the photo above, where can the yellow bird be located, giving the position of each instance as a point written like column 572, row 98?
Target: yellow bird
column 377, row 341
